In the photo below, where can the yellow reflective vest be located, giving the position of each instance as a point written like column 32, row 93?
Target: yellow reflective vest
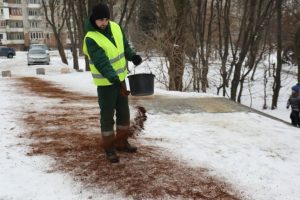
column 114, row 53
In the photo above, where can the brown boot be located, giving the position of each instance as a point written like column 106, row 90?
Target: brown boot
column 108, row 145
column 125, row 146
column 122, row 143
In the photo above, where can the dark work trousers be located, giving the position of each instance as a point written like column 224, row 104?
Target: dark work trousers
column 110, row 101
column 295, row 118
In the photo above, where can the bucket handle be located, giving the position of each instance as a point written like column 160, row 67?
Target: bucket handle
column 143, row 61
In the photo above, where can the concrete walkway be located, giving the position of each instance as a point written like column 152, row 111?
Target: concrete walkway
column 180, row 105
column 166, row 104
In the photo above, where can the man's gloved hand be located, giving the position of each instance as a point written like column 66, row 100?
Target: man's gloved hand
column 123, row 90
column 122, row 87
column 136, row 59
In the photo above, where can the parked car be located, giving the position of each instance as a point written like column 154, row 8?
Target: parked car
column 38, row 56
column 41, row 46
column 7, row 51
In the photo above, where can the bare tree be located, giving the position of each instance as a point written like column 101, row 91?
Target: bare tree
column 297, row 50
column 198, row 48
column 254, row 56
column 255, row 13
column 265, row 87
column 51, row 9
column 205, row 37
column 73, row 30
column 127, row 9
column 198, row 39
column 267, row 47
column 147, row 16
column 172, row 18
column 277, row 76
column 192, row 50
column 81, row 14
column 290, row 24
column 223, row 21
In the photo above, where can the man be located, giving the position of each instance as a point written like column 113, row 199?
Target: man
column 294, row 102
column 107, row 49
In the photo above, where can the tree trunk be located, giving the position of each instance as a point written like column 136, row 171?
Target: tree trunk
column 206, row 46
column 72, row 28
column 60, row 48
column 174, row 41
column 176, row 69
column 223, row 14
column 236, row 79
column 265, row 88
column 297, row 50
column 178, row 43
column 277, row 78
column 81, row 15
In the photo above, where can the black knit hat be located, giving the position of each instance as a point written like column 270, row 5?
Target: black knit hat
column 100, row 11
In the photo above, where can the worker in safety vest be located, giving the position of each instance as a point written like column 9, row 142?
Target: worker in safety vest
column 107, row 49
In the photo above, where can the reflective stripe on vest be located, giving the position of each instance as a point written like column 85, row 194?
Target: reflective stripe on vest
column 112, row 60
column 99, row 76
column 114, row 53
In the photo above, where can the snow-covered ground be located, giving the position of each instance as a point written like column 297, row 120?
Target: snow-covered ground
column 260, row 157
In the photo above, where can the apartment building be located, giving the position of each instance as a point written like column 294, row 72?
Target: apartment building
column 22, row 22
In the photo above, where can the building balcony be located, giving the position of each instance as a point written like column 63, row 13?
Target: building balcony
column 7, row 42
column 36, row 29
column 15, row 17
column 5, row 14
column 35, row 17
column 36, row 40
column 14, row 5
column 31, row 5
column 10, row 29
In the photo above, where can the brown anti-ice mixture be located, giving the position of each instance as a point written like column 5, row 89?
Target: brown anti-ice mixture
column 68, row 132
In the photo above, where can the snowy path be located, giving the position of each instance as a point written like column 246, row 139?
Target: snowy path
column 64, row 126
column 182, row 154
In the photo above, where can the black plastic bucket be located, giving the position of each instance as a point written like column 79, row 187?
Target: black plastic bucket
column 141, row 84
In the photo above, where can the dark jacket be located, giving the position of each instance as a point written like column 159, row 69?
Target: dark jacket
column 294, row 101
column 97, row 54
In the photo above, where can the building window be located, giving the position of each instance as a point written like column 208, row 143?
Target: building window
column 15, row 36
column 15, row 11
column 15, row 24
column 1, row 11
column 35, row 1
column 36, row 35
column 3, row 24
column 18, row 1
column 33, row 12
column 33, row 24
